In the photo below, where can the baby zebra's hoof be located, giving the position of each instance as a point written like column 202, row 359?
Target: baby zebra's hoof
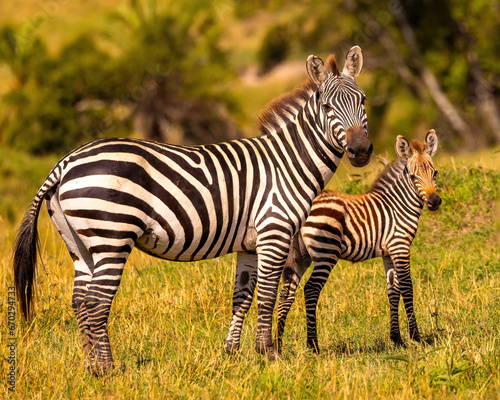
column 398, row 341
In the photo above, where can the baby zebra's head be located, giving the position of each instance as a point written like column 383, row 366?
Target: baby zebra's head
column 418, row 157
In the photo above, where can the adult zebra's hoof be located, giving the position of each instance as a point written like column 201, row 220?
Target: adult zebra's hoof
column 313, row 345
column 99, row 369
column 269, row 351
column 231, row 347
column 415, row 335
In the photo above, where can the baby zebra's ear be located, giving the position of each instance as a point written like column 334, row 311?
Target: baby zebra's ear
column 403, row 148
column 431, row 143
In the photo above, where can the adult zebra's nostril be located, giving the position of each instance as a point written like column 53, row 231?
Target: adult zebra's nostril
column 434, row 201
column 350, row 153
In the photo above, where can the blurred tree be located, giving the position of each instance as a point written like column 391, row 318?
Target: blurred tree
column 20, row 54
column 169, row 80
column 177, row 74
column 274, row 47
column 430, row 61
column 61, row 99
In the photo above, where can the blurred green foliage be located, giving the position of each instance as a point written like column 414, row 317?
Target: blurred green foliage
column 84, row 91
column 171, row 67
column 451, row 40
column 274, row 48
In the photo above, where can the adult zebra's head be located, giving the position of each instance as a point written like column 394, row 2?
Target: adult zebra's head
column 341, row 105
column 421, row 167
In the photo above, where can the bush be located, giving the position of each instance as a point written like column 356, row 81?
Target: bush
column 274, row 48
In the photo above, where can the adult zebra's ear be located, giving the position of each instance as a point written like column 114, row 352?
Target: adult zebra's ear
column 431, row 143
column 316, row 69
column 353, row 62
column 403, row 148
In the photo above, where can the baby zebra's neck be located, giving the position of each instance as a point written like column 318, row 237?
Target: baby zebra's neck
column 396, row 186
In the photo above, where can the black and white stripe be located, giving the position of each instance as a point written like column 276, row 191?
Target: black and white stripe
column 380, row 223
column 191, row 203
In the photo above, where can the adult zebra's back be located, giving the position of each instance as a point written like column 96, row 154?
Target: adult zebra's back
column 192, row 203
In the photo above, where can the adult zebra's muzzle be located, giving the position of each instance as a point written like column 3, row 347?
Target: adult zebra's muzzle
column 433, row 201
column 359, row 149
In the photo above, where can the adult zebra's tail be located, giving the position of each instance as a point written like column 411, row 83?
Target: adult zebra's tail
column 26, row 247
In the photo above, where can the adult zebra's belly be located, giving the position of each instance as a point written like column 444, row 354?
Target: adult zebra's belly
column 209, row 242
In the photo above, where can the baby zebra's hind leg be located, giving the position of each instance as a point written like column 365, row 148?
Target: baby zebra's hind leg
column 312, row 290
column 297, row 263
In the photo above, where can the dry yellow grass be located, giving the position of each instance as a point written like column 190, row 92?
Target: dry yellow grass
column 169, row 320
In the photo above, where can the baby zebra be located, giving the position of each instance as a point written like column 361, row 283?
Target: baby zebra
column 379, row 223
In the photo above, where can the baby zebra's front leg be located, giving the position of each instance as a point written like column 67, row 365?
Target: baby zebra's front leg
column 393, row 294
column 404, row 286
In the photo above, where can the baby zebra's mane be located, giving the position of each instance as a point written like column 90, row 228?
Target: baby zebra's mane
column 388, row 176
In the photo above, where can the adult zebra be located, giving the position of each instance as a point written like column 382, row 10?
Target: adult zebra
column 380, row 223
column 191, row 203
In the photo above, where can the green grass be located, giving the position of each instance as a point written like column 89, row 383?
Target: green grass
column 169, row 320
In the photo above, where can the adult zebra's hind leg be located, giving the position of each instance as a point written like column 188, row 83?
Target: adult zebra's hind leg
column 109, row 261
column 84, row 265
column 244, row 287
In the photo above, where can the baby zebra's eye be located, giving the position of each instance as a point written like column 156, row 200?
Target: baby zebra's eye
column 435, row 174
column 412, row 176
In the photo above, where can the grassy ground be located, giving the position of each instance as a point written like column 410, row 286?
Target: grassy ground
column 169, row 320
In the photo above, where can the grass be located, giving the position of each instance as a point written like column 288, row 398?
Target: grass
column 169, row 320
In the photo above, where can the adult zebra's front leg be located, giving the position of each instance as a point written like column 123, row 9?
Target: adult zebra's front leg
column 297, row 263
column 271, row 260
column 244, row 287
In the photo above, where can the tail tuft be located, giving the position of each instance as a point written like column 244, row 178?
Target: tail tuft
column 25, row 251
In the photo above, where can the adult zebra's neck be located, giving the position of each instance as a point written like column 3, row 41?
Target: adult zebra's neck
column 297, row 121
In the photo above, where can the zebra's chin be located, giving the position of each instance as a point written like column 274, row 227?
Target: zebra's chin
column 359, row 162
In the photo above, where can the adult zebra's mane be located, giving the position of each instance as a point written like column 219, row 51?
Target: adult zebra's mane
column 388, row 176
column 288, row 104
column 285, row 106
